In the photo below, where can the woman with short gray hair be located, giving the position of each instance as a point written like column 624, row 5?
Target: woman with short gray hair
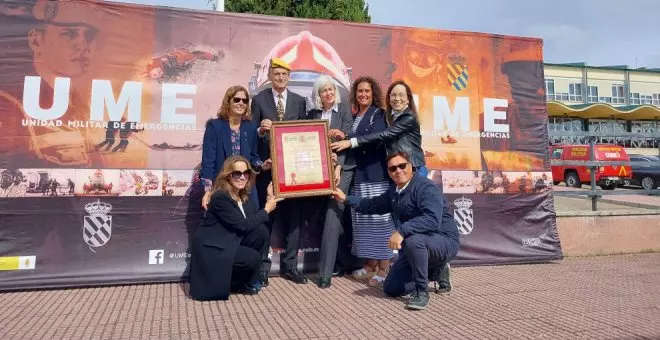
column 328, row 106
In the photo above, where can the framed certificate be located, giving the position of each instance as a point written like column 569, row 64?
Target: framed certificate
column 302, row 160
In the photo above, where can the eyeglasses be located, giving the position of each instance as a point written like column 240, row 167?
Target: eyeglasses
column 401, row 166
column 398, row 96
column 236, row 175
column 237, row 100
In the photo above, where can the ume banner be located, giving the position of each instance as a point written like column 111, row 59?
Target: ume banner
column 103, row 107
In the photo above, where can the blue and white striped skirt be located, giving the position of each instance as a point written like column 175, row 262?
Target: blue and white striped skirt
column 371, row 233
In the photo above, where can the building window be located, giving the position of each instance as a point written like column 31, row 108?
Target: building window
column 617, row 94
column 565, row 124
column 550, row 89
column 575, row 92
column 656, row 99
column 605, row 100
column 592, row 94
column 634, row 99
column 646, row 100
column 640, row 126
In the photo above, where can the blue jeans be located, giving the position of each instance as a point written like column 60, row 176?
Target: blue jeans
column 422, row 171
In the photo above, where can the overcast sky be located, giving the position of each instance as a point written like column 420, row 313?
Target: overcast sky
column 599, row 32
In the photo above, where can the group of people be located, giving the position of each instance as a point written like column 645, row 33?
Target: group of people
column 381, row 176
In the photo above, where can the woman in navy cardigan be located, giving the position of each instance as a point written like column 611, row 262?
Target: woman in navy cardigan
column 232, row 133
column 371, row 233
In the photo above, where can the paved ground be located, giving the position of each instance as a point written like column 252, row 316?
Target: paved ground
column 609, row 297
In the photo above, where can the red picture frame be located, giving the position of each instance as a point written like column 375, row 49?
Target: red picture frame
column 307, row 146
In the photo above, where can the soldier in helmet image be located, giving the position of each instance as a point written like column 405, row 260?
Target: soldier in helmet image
column 61, row 37
column 50, row 39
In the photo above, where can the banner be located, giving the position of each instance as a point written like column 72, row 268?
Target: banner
column 103, row 107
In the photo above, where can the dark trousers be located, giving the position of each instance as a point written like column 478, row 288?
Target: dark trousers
column 247, row 261
column 288, row 218
column 418, row 252
column 333, row 245
column 121, row 146
column 109, row 141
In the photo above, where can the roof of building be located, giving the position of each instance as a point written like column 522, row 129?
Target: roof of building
column 610, row 67
column 604, row 111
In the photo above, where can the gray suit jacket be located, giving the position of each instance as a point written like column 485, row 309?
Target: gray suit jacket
column 341, row 120
column 263, row 107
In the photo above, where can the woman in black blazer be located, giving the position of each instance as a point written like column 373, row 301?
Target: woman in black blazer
column 229, row 244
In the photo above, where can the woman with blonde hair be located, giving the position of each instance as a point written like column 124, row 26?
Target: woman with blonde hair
column 228, row 246
column 231, row 133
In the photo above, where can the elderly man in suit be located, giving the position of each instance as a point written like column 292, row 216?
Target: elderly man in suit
column 279, row 104
column 329, row 106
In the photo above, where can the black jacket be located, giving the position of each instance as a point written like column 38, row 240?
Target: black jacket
column 263, row 107
column 215, row 243
column 402, row 135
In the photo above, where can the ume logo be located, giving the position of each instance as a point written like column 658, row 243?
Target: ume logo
column 176, row 97
column 103, row 99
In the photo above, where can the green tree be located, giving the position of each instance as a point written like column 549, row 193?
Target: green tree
column 346, row 10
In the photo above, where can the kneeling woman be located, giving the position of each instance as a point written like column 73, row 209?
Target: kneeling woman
column 229, row 244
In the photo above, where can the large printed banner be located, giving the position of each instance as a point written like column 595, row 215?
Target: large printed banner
column 103, row 107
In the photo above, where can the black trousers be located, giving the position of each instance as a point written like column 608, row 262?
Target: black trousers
column 287, row 218
column 247, row 261
column 109, row 141
column 121, row 146
column 411, row 269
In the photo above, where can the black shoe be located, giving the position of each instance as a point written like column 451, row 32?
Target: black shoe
column 325, row 282
column 248, row 290
column 444, row 280
column 418, row 300
column 263, row 279
column 295, row 276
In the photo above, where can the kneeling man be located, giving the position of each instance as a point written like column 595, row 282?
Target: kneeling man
column 425, row 232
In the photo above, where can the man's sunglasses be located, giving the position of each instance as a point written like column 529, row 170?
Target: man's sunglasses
column 238, row 100
column 237, row 174
column 393, row 168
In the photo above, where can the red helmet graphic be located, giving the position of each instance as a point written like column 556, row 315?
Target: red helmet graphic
column 309, row 56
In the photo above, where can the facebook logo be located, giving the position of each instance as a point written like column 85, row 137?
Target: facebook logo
column 156, row 256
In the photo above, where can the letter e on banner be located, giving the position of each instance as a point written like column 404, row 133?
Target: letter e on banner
column 495, row 109
column 171, row 103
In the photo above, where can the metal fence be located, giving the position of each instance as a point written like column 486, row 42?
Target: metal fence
column 592, row 137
